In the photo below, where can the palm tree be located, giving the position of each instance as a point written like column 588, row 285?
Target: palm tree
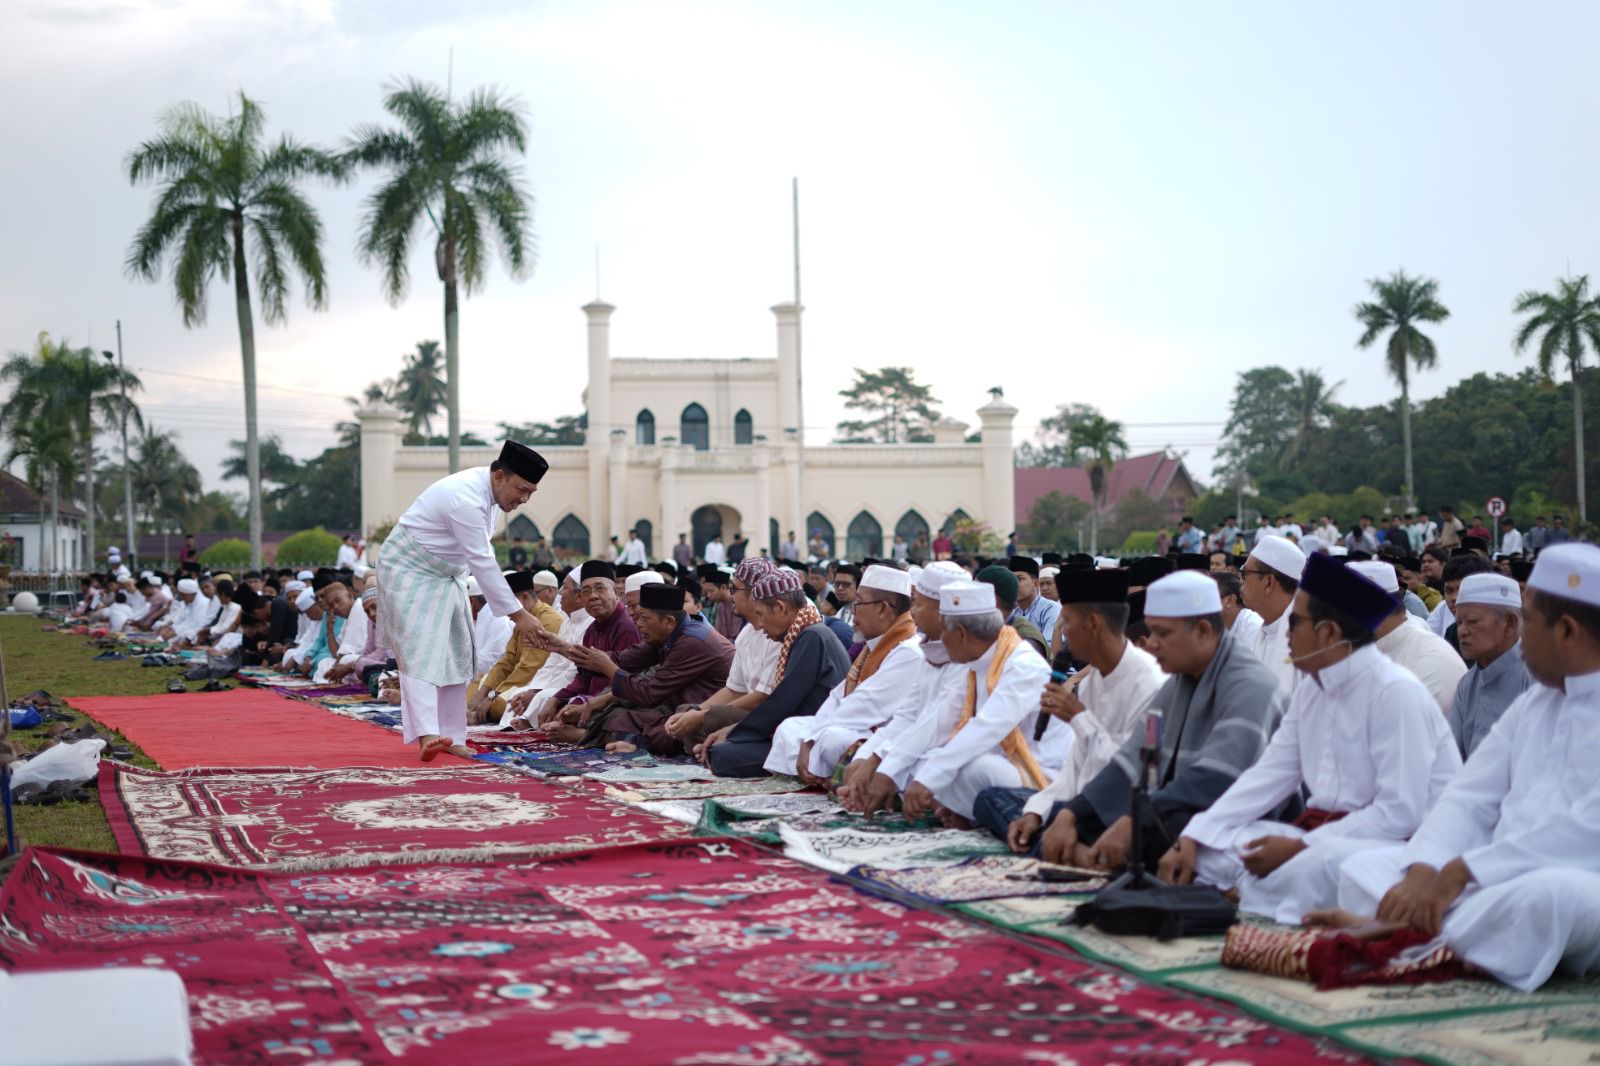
column 39, row 415
column 1401, row 303
column 375, row 392
column 1097, row 442
column 445, row 163
column 1566, row 318
column 1311, row 403
column 165, row 484
column 228, row 198
column 274, row 464
column 420, row 390
column 89, row 386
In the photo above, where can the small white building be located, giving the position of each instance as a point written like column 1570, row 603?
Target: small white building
column 712, row 446
column 23, row 534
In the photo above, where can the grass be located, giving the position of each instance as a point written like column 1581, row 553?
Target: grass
column 64, row 666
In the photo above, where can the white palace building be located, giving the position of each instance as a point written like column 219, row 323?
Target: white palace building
column 708, row 446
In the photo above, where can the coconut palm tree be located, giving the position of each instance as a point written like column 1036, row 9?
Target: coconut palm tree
column 1564, row 321
column 420, row 389
column 376, row 392
column 446, row 163
column 165, row 484
column 90, row 386
column 1401, row 303
column 39, row 417
column 1311, row 405
column 229, row 199
column 1096, row 442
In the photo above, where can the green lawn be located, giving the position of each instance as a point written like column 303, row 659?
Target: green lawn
column 63, row 666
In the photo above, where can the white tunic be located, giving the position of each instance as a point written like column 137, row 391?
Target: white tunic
column 1113, row 704
column 346, row 559
column 1441, row 618
column 872, row 703
column 933, row 689
column 490, row 632
column 353, row 640
column 556, row 672
column 1437, row 665
column 1246, row 624
column 633, row 553
column 1269, row 642
column 1366, row 740
column 454, row 519
column 755, row 661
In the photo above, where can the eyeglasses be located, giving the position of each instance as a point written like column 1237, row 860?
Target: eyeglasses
column 1245, row 571
column 869, row 603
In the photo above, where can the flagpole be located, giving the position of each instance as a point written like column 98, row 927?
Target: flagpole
column 799, row 371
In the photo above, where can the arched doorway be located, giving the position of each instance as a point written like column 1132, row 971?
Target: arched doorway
column 571, row 536
column 522, row 526
column 647, row 531
column 711, row 520
column 818, row 527
column 914, row 529
column 865, row 538
column 956, row 517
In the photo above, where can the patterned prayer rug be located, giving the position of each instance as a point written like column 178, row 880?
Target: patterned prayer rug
column 644, row 791
column 310, row 819
column 989, row 877
column 690, row 811
column 839, row 842
column 575, row 762
column 697, row 952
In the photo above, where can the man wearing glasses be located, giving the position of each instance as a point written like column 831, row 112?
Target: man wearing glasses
column 1270, row 577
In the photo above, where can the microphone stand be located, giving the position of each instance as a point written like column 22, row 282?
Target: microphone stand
column 1148, row 777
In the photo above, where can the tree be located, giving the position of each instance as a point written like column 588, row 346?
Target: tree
column 86, row 386
column 1053, row 521
column 446, row 163
column 1311, row 406
column 1135, row 513
column 900, row 409
column 568, row 429
column 1260, row 419
column 1049, row 446
column 272, row 462
column 41, row 417
column 164, row 482
column 420, row 390
column 1563, row 321
column 1097, row 443
column 375, row 392
column 1402, row 302
column 227, row 199
column 325, row 490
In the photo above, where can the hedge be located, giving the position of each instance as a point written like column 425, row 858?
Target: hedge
column 309, row 547
column 228, row 553
column 1142, row 542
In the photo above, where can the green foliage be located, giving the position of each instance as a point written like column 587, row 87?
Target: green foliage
column 419, row 390
column 899, row 409
column 309, row 547
column 468, row 440
column 326, row 489
column 228, row 553
column 277, row 465
column 1053, row 522
column 972, row 537
column 568, row 429
column 1140, row 542
column 1051, row 444
column 1569, row 320
column 1135, row 512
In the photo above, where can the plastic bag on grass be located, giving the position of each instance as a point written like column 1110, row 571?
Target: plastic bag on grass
column 73, row 763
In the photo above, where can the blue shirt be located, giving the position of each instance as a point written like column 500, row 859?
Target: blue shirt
column 1042, row 613
column 319, row 647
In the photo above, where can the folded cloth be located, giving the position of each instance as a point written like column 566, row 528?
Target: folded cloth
column 1336, row 959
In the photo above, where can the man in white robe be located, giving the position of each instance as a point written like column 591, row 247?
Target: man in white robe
column 1505, row 869
column 1362, row 735
column 524, row 704
column 310, row 622
column 1269, row 579
column 490, row 631
column 1407, row 640
column 810, row 746
column 423, row 616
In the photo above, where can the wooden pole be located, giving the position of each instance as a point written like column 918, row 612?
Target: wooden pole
column 6, row 755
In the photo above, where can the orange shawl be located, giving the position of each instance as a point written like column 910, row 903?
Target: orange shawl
column 1015, row 745
column 870, row 659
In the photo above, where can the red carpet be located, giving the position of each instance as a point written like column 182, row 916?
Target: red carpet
column 694, row 952
column 317, row 819
column 247, row 727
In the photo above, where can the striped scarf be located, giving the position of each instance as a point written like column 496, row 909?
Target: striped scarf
column 804, row 619
column 1015, row 745
column 870, row 659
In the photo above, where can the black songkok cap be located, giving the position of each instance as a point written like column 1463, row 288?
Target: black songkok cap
column 1194, row 561
column 523, row 461
column 666, row 567
column 1023, row 564
column 658, row 597
column 1095, row 586
column 705, row 570
column 324, row 577
column 1135, row 607
column 248, row 598
column 1329, row 580
column 1521, row 569
column 1149, row 570
column 691, row 586
column 597, row 568
column 521, row 581
column 716, row 577
column 1051, row 558
column 626, row 570
column 1475, row 544
column 1080, row 557
column 1412, row 563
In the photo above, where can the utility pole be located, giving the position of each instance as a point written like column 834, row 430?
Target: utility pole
column 127, row 471
column 799, row 366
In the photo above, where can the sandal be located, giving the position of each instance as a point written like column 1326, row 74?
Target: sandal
column 214, row 686
column 176, row 685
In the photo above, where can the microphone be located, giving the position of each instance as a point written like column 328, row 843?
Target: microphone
column 1150, row 750
column 1297, row 659
column 1060, row 670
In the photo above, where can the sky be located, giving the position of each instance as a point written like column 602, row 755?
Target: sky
column 1120, row 205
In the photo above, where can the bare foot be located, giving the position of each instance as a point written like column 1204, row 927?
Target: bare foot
column 1333, row 918
column 951, row 820
column 462, row 750
column 621, row 747
column 566, row 734
column 432, row 746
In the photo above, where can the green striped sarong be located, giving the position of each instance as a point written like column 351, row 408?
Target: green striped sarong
column 423, row 615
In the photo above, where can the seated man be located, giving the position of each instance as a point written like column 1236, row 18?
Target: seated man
column 1362, row 736
column 985, row 737
column 336, row 600
column 750, row 678
column 1489, row 626
column 939, row 683
column 524, row 704
column 810, row 746
column 1407, row 641
column 1101, row 705
column 189, row 614
column 1505, row 870
column 519, row 662
column 1218, row 709
column 610, row 633
column 490, row 632
column 294, row 660
column 1005, row 585
column 811, row 662
column 681, row 660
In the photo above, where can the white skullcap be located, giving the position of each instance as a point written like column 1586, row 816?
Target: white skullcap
column 1338, row 550
column 1185, row 594
column 1310, row 544
column 1570, row 571
column 641, row 579
column 473, row 588
column 304, row 575
column 572, row 577
column 1105, row 562
column 1048, row 571
column 189, row 586
column 1494, row 590
column 1279, row 553
column 157, row 581
column 305, row 599
column 292, row 587
column 360, row 570
column 147, row 574
column 1378, row 572
column 915, row 572
column 888, row 579
column 959, row 598
column 113, row 550
column 936, row 576
column 545, row 579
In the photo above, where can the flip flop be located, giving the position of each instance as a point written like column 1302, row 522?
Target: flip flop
column 435, row 748
column 176, row 685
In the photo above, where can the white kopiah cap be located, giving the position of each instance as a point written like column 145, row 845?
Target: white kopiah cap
column 1494, row 590
column 1571, row 571
column 305, row 575
column 305, row 599
column 545, row 579
column 189, row 586
column 888, row 579
column 290, row 588
column 641, row 579
column 966, row 598
column 1105, row 562
column 1378, row 572
column 936, row 576
column 1280, row 553
column 1185, row 594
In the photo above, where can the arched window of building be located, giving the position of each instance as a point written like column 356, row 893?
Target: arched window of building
column 957, row 516
column 865, row 538
column 571, row 535
column 913, row 528
column 695, row 430
column 644, row 428
column 647, row 531
column 773, row 539
column 522, row 526
column 819, row 528
column 743, row 428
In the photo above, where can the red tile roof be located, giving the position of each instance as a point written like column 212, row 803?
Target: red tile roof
column 1159, row 475
column 17, row 498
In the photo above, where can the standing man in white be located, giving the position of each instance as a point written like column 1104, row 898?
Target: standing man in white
column 423, row 613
